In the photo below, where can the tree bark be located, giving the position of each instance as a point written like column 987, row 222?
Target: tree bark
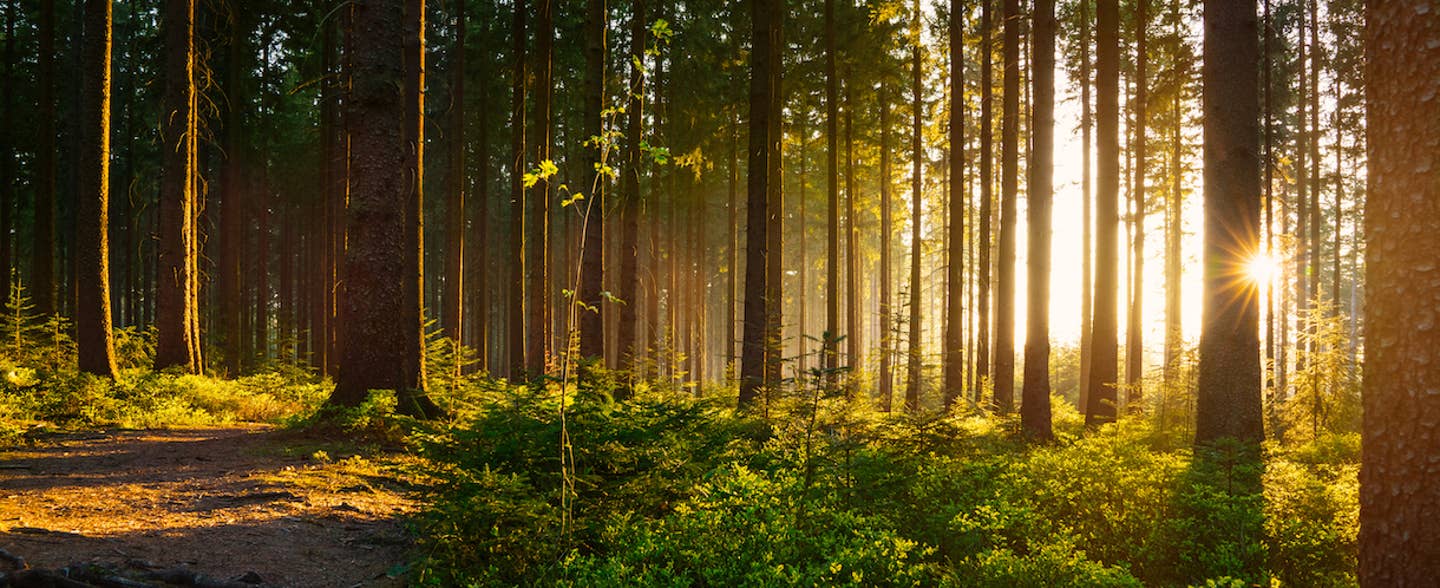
column 886, row 279
column 1399, row 533
column 630, row 201
column 954, row 360
column 1004, row 377
column 917, row 154
column 987, row 196
column 93, row 340
column 592, row 270
column 1035, row 397
column 1104, row 347
column 174, row 346
column 1135, row 342
column 1228, row 403
column 378, row 307
column 42, row 260
column 1087, row 245
column 537, row 267
column 454, row 311
column 765, row 18
column 7, row 156
column 832, row 202
column 515, row 325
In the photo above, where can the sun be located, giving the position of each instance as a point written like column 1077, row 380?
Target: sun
column 1261, row 269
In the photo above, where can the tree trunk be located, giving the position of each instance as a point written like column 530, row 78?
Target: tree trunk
column 1228, row 403
column 537, row 268
column 1104, row 347
column 954, row 360
column 515, row 325
column 886, row 278
column 630, row 200
column 764, row 90
column 1035, row 399
column 733, row 277
column 917, row 154
column 987, row 195
column 1087, row 254
column 411, row 397
column 1134, row 343
column 775, row 202
column 176, row 246
column 852, row 250
column 7, row 156
column 1009, row 185
column 1399, row 534
column 93, row 340
column 832, row 202
column 380, row 310
column 592, row 263
column 42, row 260
column 231, row 279
column 454, row 311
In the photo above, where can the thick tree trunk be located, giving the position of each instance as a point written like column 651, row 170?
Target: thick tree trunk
column 765, row 16
column 174, row 346
column 1035, row 398
column 592, row 263
column 380, row 310
column 1009, row 185
column 1104, row 347
column 93, row 340
column 1228, row 403
column 1399, row 532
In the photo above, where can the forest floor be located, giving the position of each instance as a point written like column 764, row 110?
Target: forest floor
column 253, row 504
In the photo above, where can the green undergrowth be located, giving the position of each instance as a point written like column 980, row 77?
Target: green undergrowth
column 672, row 491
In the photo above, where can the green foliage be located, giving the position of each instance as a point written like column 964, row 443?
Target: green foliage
column 678, row 492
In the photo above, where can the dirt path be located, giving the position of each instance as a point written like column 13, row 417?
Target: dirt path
column 223, row 502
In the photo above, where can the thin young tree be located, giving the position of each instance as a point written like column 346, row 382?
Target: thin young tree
column 515, row 323
column 1134, row 340
column 1228, row 404
column 1035, row 396
column 174, row 344
column 917, row 154
column 1399, row 533
column 94, row 342
column 376, row 307
column 537, row 227
column 832, row 201
column 454, row 310
column 1104, row 346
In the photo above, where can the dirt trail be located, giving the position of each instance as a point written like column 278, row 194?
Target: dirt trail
column 223, row 502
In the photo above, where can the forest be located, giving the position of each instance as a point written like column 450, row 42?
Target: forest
column 991, row 293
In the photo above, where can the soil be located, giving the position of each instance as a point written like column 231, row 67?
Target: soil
column 248, row 502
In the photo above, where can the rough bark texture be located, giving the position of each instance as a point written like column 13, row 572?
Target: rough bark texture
column 93, row 341
column 1004, row 377
column 592, row 263
column 1035, row 397
column 1104, row 347
column 765, row 40
column 1399, row 501
column 1228, row 401
column 174, row 345
column 381, row 200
